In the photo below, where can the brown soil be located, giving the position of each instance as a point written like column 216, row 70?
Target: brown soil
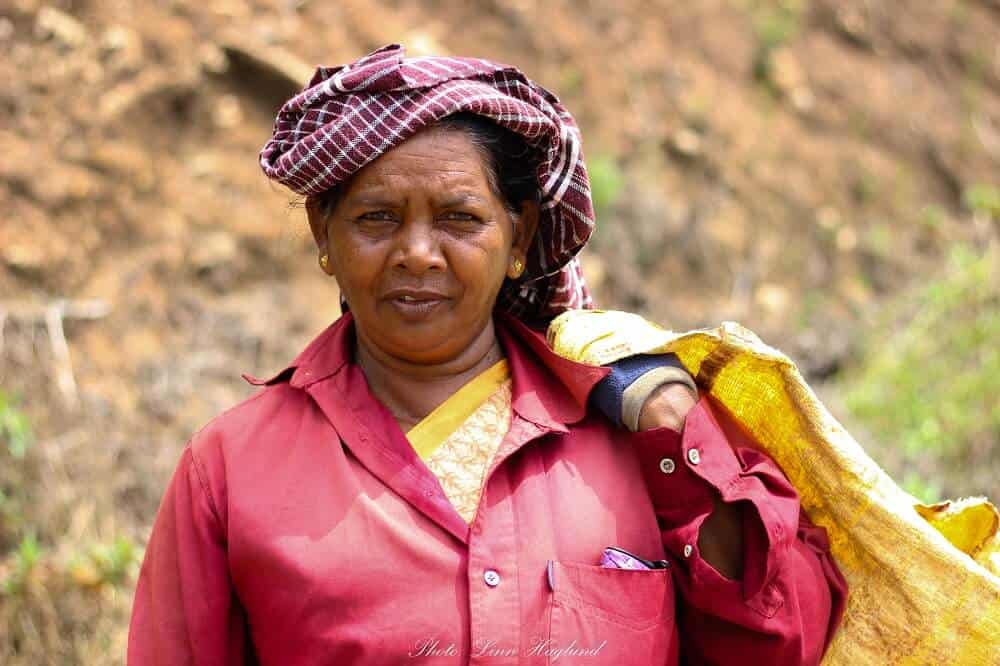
column 792, row 189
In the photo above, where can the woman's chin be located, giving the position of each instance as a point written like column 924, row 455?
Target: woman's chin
column 433, row 345
column 422, row 333
column 426, row 350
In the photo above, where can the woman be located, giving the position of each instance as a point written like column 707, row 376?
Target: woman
column 428, row 480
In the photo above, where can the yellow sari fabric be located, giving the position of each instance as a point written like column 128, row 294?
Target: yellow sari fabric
column 924, row 580
column 457, row 441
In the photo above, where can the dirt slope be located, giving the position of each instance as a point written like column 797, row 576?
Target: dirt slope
column 789, row 165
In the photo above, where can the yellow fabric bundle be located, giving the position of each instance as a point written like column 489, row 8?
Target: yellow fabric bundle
column 924, row 580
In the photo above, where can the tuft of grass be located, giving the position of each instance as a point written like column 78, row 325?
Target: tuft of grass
column 933, row 216
column 924, row 490
column 16, row 437
column 928, row 382
column 114, row 561
column 775, row 23
column 878, row 238
column 866, row 187
column 983, row 199
column 606, row 183
column 15, row 430
column 21, row 563
column 112, row 564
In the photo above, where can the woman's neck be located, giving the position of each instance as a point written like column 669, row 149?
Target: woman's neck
column 410, row 390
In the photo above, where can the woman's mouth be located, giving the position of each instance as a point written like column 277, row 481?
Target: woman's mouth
column 415, row 307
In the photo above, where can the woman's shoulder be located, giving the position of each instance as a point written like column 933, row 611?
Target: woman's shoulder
column 252, row 422
column 600, row 337
column 264, row 418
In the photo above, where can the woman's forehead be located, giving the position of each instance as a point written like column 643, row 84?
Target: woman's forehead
column 434, row 159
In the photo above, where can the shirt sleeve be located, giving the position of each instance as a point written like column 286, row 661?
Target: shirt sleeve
column 791, row 596
column 185, row 609
column 638, row 375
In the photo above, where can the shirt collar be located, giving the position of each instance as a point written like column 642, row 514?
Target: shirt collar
column 548, row 389
column 325, row 355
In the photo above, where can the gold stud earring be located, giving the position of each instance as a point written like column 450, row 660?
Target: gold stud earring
column 518, row 268
column 324, row 261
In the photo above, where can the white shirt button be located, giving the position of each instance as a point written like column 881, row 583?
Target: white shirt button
column 688, row 550
column 491, row 577
column 667, row 466
column 694, row 456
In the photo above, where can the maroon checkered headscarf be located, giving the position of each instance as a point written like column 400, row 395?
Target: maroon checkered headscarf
column 349, row 115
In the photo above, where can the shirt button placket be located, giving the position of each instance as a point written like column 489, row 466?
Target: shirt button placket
column 493, row 604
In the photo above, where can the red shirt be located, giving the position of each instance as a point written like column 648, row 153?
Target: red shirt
column 300, row 527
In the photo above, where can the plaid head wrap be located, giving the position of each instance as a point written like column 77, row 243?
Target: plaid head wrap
column 349, row 115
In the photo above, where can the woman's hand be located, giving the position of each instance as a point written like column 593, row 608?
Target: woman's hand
column 667, row 407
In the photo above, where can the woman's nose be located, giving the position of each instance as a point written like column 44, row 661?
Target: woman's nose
column 418, row 249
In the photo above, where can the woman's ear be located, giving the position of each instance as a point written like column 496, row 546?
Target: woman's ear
column 317, row 222
column 318, row 225
column 525, row 226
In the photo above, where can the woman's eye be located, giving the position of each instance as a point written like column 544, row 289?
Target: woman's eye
column 457, row 216
column 376, row 223
column 376, row 216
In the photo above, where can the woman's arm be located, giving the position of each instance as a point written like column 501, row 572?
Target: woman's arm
column 185, row 609
column 756, row 578
column 662, row 392
column 720, row 539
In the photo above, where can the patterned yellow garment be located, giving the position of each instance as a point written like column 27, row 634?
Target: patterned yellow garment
column 924, row 581
column 457, row 441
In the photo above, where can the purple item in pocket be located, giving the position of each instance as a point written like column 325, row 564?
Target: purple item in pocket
column 618, row 558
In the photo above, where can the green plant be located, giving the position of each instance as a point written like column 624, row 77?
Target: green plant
column 866, row 186
column 983, row 199
column 878, row 238
column 14, row 427
column 927, row 492
column 774, row 25
column 114, row 560
column 933, row 216
column 928, row 381
column 21, row 563
column 104, row 563
column 606, row 183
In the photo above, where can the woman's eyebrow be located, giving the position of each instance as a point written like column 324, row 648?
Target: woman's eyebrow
column 373, row 199
column 448, row 200
column 459, row 198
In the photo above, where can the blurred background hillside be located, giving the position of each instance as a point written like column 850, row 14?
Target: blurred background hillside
column 825, row 172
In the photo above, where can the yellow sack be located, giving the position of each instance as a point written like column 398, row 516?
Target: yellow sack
column 924, row 581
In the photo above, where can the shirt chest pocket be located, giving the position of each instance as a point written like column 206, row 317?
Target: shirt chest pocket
column 603, row 615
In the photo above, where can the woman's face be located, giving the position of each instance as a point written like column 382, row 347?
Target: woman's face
column 420, row 245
